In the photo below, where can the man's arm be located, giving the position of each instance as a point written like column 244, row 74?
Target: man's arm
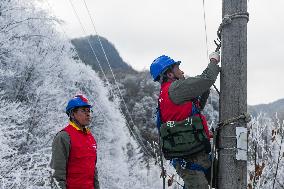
column 182, row 91
column 96, row 179
column 203, row 99
column 60, row 154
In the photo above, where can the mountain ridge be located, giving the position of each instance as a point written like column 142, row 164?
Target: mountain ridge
column 90, row 51
column 270, row 109
column 117, row 61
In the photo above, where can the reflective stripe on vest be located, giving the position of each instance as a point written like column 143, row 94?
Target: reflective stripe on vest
column 82, row 159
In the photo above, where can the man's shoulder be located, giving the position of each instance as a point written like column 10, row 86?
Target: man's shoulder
column 62, row 135
column 183, row 82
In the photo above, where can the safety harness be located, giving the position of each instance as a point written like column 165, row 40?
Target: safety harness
column 182, row 139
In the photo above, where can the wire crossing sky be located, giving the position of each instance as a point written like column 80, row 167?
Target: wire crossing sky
column 144, row 30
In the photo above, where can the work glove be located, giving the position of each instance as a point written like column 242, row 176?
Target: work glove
column 215, row 57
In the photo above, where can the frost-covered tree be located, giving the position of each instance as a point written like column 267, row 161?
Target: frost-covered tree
column 211, row 109
column 38, row 75
column 266, row 153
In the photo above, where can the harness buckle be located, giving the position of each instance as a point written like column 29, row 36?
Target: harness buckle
column 183, row 165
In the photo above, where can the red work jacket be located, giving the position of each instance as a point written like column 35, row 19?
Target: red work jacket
column 82, row 159
column 176, row 112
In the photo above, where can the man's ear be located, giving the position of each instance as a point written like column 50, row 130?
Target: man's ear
column 170, row 75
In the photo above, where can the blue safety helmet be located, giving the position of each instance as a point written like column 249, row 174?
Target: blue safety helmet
column 76, row 102
column 160, row 65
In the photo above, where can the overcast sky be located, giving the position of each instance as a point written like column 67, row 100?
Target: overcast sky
column 142, row 30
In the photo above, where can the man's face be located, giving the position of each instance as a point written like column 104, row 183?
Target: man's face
column 178, row 74
column 83, row 115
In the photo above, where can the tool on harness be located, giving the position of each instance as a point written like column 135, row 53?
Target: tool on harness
column 190, row 129
column 182, row 139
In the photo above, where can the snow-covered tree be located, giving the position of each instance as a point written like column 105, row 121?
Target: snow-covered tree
column 38, row 75
column 266, row 152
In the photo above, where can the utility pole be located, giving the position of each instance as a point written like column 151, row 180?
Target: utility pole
column 232, row 170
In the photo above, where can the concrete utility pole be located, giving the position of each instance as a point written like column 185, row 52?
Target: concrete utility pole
column 233, row 98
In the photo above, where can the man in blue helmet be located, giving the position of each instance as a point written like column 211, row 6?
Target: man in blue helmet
column 183, row 129
column 74, row 149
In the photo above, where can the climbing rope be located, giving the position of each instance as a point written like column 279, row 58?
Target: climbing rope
column 244, row 116
column 228, row 20
column 225, row 21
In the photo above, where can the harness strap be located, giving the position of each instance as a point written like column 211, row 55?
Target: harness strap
column 195, row 106
column 158, row 117
column 196, row 167
column 189, row 165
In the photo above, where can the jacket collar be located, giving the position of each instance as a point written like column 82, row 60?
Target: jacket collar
column 77, row 128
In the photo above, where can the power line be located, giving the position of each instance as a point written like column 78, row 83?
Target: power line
column 127, row 110
column 136, row 136
column 144, row 149
column 65, row 34
column 93, row 51
column 140, row 141
column 205, row 27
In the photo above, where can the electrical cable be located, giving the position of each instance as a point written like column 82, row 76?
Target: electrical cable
column 135, row 135
column 205, row 27
column 135, row 127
